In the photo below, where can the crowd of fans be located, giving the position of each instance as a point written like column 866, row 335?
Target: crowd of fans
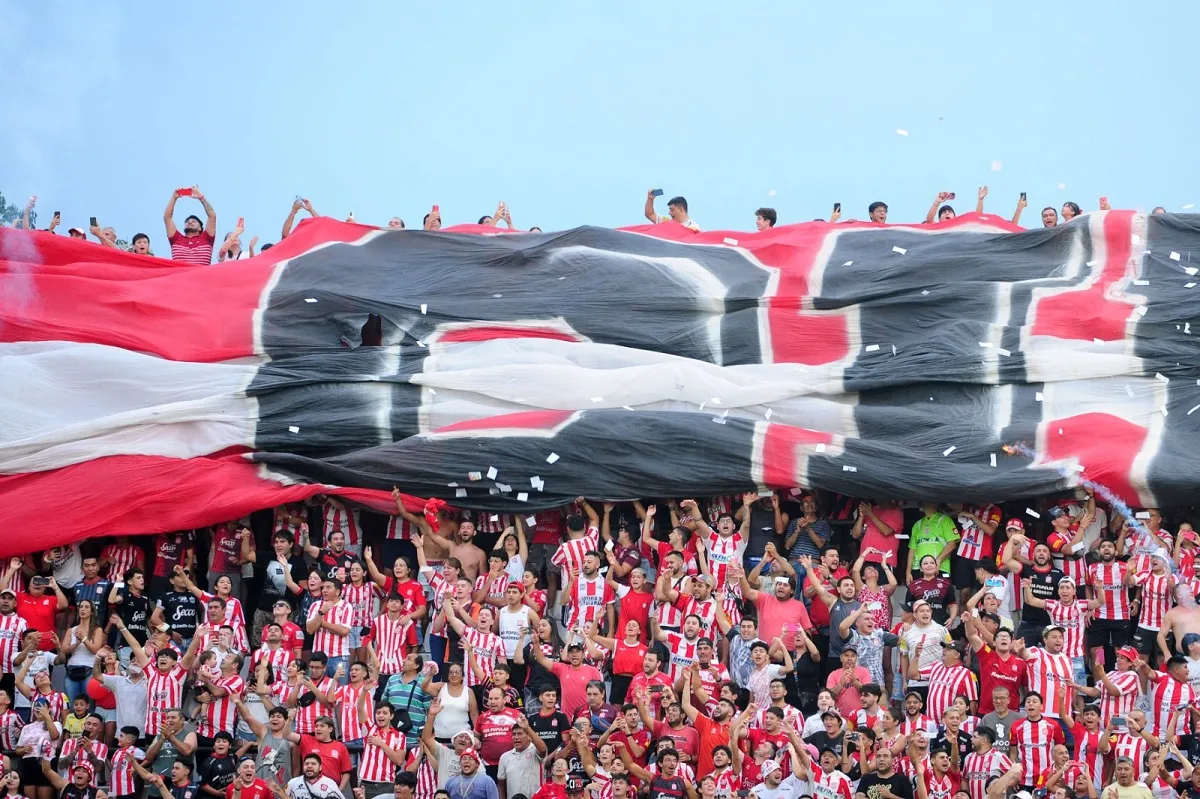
column 783, row 645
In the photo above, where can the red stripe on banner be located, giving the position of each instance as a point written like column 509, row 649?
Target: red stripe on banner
column 527, row 420
column 780, row 449
column 492, row 332
column 141, row 494
column 1106, row 459
column 55, row 288
column 1092, row 313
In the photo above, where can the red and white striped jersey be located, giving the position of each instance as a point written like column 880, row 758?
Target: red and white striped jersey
column 427, row 778
column 731, row 602
column 683, row 654
column 589, row 599
column 1087, row 751
column 791, row 716
column 17, row 583
column 163, row 692
column 723, row 551
column 1060, row 546
column 221, row 714
column 347, row 702
column 666, row 613
column 1167, row 695
column 489, row 647
column 904, row 765
column 1132, row 747
column 861, row 719
column 981, row 769
column 333, row 645
column 10, row 729
column 399, row 529
column 942, row 787
column 834, row 785
column 277, row 659
column 1073, row 619
column 57, row 703
column 235, row 617
column 711, row 680
column 947, row 683
column 970, row 724
column 440, row 586
column 283, row 522
column 728, row 782
column 121, row 558
column 282, row 691
column 713, row 507
column 73, row 753
column 123, row 781
column 706, row 610
column 361, row 599
column 1156, row 598
column 1033, row 741
column 341, row 519
column 306, row 717
column 682, row 770
column 493, row 523
column 495, row 584
column 393, row 639
column 1111, row 577
column 923, row 723
column 570, row 553
column 12, row 627
column 1046, row 673
column 1140, row 546
column 974, row 545
column 375, row 765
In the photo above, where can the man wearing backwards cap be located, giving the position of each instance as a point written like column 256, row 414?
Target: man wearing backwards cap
column 1118, row 689
column 80, row 786
column 774, row 785
column 472, row 782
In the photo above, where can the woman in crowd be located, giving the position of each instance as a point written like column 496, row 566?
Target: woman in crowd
column 79, row 647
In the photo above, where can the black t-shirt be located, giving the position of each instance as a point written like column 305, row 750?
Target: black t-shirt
column 218, row 772
column 942, row 742
column 1045, row 586
column 330, row 563
column 898, row 784
column 135, row 613
column 275, row 585
column 821, row 740
column 550, row 728
column 536, row 676
column 762, row 531
column 74, row 792
column 666, row 788
column 181, row 611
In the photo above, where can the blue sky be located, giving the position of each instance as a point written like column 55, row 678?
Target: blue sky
column 571, row 111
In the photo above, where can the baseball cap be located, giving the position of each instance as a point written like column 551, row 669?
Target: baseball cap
column 770, row 766
column 1015, row 524
column 471, row 753
column 706, row 579
column 1070, row 580
column 1056, row 512
column 1046, row 631
column 829, row 714
column 80, row 231
column 517, row 585
column 919, row 603
column 222, row 735
column 1128, row 652
column 957, row 646
column 574, row 785
column 574, row 647
column 8, row 591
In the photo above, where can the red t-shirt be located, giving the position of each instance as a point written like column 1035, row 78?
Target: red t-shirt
column 993, row 671
column 38, row 612
column 256, row 790
column 685, row 739
column 551, row 790
column 293, row 636
column 634, row 605
column 335, row 759
column 818, row 610
column 226, row 550
column 548, row 529
column 411, row 590
column 641, row 738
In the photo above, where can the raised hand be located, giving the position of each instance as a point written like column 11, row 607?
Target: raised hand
column 651, row 510
column 982, row 192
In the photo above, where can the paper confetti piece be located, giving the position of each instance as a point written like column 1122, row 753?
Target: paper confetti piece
column 1129, row 390
column 997, row 166
column 925, row 292
column 522, row 497
column 1003, row 352
column 424, row 308
column 993, row 457
column 1163, row 410
column 1092, row 263
column 715, row 400
column 946, row 452
column 820, row 447
column 1136, row 238
column 847, row 263
column 1187, row 328
column 552, row 457
column 1141, row 282
column 533, row 481
column 1191, row 270
column 1062, row 185
column 768, row 414
column 495, row 517
column 492, row 472
column 871, row 348
column 1193, row 410
column 504, row 488
column 451, row 485
column 1140, row 310
column 531, row 521
column 1060, row 432
column 1097, row 340
column 1189, row 285
column 460, row 492
column 900, row 250
column 901, row 132
column 1142, row 514
column 1162, row 377
column 497, row 296
column 1033, row 513
column 985, row 343
column 849, row 468
column 474, row 476
column 626, row 407
column 310, row 299
column 893, row 350
column 729, row 241
column 597, row 399
column 719, row 419
column 293, row 429
column 1174, row 256
column 1188, row 205
column 1038, row 396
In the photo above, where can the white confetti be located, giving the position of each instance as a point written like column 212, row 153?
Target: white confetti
column 474, row 476
column 497, row 296
column 420, row 344
column 893, row 350
column 985, row 343
column 1062, row 185
column 310, row 299
column 820, row 448
column 997, row 166
column 492, row 472
column 871, row 348
column 768, row 414
column 1060, row 432
column 1092, row 263
column 1193, row 410
column 294, row 429
column 1129, row 390
column 946, row 452
column 1033, row 513
column 901, row 132
column 533, row 481
column 1142, row 514
column 1189, row 285
column 993, row 457
column 1187, row 328
column 702, row 404
column 847, row 263
column 1162, row 377
column 1097, row 340
column 451, row 485
column 1141, row 282
column 504, row 488
column 1140, row 310
column 626, row 407
column 1038, row 396
column 1188, row 205
column 531, row 521
column 552, row 457
column 1003, row 352
column 597, row 399
column 1136, row 238
column 925, row 293
column 495, row 517
column 900, row 250
column 719, row 419
column 1163, row 410
column 522, row 497
column 433, row 391
column 424, row 308
column 1191, row 270
column 715, row 400
column 1174, row 256
column 849, row 468
column 729, row 241
column 493, row 491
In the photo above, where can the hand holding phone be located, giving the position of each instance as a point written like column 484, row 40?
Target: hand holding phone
column 950, row 195
column 656, row 193
column 1022, row 196
column 241, row 225
column 187, row 192
column 837, row 208
column 92, row 221
column 436, row 210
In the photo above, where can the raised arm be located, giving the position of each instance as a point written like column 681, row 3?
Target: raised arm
column 1021, row 205
column 210, row 224
column 979, row 202
column 649, row 211
column 169, row 215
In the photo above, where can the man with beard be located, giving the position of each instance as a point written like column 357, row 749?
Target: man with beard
column 713, row 731
column 1109, row 580
column 1044, row 579
column 332, row 561
column 195, row 244
column 651, row 681
column 884, row 782
column 311, row 784
column 471, row 782
column 462, row 546
column 590, row 599
column 682, row 646
column 275, row 581
column 984, row 764
column 684, row 738
column 178, row 608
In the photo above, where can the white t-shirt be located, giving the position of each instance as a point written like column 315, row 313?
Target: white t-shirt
column 39, row 662
column 67, row 565
column 323, row 788
column 789, row 788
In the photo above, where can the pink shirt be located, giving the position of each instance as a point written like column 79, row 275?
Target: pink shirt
column 892, row 517
column 849, row 701
column 774, row 615
column 573, row 685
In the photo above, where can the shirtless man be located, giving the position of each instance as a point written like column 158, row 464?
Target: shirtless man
column 460, row 541
column 435, row 553
column 1180, row 620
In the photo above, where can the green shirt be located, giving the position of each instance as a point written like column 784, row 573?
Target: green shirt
column 929, row 537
